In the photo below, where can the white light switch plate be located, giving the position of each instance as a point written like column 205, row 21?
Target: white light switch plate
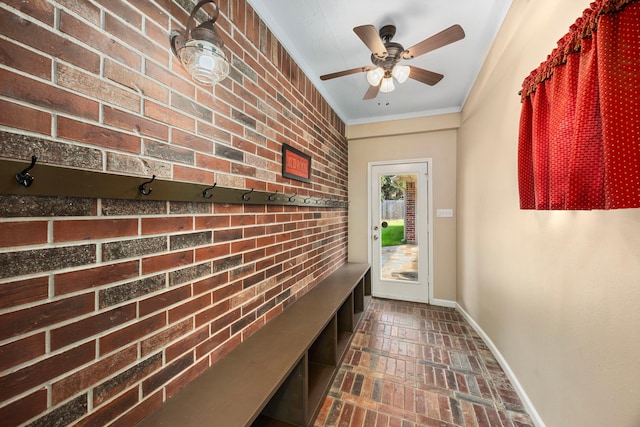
column 444, row 213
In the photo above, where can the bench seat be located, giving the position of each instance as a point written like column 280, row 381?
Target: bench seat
column 280, row 375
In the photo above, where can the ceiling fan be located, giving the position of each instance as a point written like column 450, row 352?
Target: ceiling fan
column 385, row 56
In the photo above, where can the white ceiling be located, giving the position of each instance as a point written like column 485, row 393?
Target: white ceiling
column 319, row 36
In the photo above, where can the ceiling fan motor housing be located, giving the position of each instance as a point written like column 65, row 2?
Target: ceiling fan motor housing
column 395, row 51
column 387, row 32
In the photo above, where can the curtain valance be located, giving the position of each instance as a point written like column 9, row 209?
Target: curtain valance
column 579, row 139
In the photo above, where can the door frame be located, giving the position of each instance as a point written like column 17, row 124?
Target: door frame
column 429, row 212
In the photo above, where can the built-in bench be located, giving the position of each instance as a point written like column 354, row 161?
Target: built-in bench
column 281, row 374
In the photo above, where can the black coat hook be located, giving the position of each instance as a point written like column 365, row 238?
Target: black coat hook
column 307, row 200
column 272, row 196
column 291, row 198
column 143, row 187
column 245, row 196
column 24, row 177
column 205, row 192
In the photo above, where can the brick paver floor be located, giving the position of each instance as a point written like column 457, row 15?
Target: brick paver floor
column 414, row 365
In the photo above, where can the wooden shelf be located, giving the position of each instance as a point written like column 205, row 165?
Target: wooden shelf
column 358, row 316
column 344, row 339
column 289, row 402
column 358, row 297
column 367, row 284
column 264, row 421
column 367, row 300
column 280, row 375
column 323, row 350
column 345, row 316
column 320, row 379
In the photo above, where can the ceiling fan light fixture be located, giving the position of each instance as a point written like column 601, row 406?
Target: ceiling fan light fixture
column 386, row 54
column 387, row 85
column 401, row 73
column 200, row 49
column 374, row 76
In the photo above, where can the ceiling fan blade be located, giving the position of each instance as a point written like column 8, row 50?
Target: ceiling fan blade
column 372, row 92
column 346, row 72
column 443, row 38
column 425, row 76
column 369, row 35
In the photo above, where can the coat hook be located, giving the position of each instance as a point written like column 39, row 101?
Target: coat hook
column 319, row 201
column 307, row 200
column 205, row 192
column 245, row 196
column 272, row 196
column 24, row 177
column 291, row 198
column 143, row 187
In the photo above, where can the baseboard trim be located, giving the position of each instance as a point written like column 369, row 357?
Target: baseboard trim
column 531, row 410
column 443, row 303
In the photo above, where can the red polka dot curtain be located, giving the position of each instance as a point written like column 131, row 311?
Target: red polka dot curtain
column 579, row 140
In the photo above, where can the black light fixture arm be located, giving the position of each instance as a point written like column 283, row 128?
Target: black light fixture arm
column 204, row 31
column 196, row 9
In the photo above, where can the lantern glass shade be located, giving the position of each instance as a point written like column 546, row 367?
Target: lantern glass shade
column 205, row 61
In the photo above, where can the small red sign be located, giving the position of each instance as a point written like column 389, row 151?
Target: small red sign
column 295, row 164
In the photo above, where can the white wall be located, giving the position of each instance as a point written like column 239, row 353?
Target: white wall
column 557, row 292
column 428, row 137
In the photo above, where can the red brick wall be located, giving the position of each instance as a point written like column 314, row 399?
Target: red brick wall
column 410, row 212
column 109, row 307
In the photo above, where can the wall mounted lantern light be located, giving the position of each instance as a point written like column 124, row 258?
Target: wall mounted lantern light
column 200, row 49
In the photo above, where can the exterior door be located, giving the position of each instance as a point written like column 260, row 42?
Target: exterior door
column 399, row 231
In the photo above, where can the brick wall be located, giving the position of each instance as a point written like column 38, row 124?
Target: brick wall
column 410, row 211
column 109, row 307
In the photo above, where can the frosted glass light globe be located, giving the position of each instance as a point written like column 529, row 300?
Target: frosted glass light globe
column 387, row 85
column 401, row 73
column 205, row 61
column 374, row 76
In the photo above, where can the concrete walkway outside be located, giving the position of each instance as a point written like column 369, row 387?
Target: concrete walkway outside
column 400, row 262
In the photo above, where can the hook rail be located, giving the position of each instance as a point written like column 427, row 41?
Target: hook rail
column 62, row 181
